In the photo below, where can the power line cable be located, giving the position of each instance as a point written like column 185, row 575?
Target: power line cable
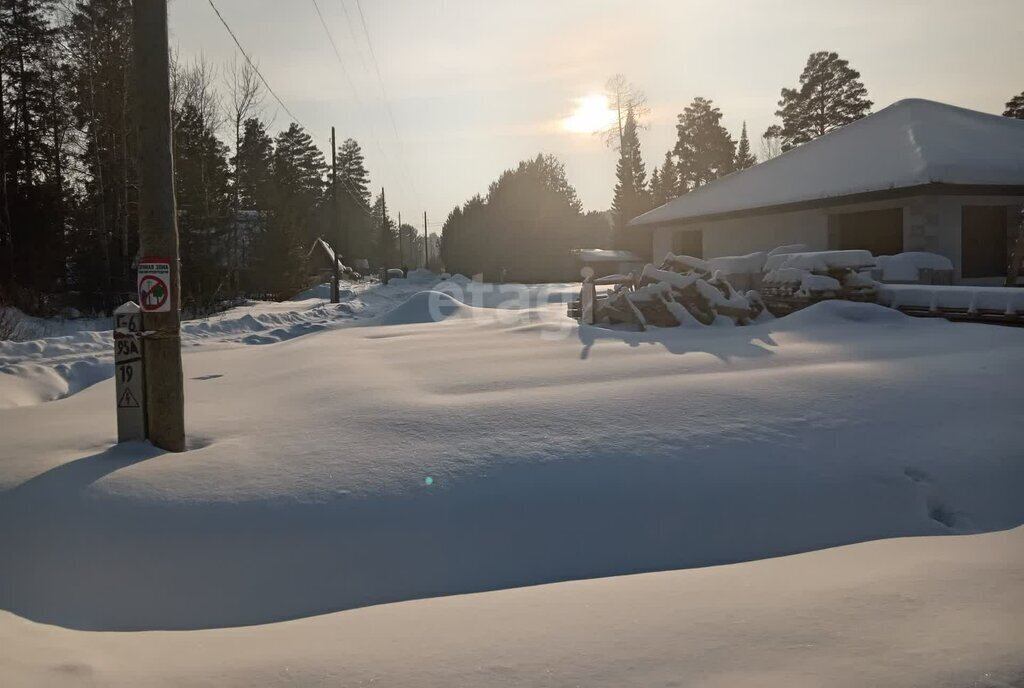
column 353, row 194
column 384, row 94
column 254, row 67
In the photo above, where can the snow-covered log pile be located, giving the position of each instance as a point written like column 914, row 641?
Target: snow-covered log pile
column 682, row 291
column 796, row 280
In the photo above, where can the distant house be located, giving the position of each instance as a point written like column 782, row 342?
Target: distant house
column 320, row 264
column 604, row 262
column 915, row 176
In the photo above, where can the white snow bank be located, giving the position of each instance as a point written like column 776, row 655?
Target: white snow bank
column 840, row 312
column 906, row 267
column 424, row 307
column 1005, row 300
column 821, row 261
column 367, row 465
column 904, row 613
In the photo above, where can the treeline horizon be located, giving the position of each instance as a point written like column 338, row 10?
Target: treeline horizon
column 251, row 201
column 247, row 213
column 829, row 95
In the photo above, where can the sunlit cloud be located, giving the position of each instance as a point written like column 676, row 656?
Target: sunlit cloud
column 591, row 115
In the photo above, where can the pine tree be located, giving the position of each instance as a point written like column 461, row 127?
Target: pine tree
column 744, row 157
column 385, row 231
column 524, row 229
column 356, row 225
column 298, row 186
column 1015, row 107
column 253, row 166
column 771, row 142
column 830, row 96
column 669, row 178
column 705, row 149
column 656, row 191
column 631, row 197
column 203, row 195
column 33, row 122
column 99, row 38
column 665, row 182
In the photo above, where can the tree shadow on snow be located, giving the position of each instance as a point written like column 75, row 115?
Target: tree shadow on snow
column 724, row 344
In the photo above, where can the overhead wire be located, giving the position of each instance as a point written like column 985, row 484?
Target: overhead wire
column 353, row 194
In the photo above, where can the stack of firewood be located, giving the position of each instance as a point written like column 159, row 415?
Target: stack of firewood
column 795, row 281
column 680, row 292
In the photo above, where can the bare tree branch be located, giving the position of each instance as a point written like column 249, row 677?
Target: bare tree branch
column 622, row 95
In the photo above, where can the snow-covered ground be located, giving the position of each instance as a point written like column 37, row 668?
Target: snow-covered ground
column 398, row 458
column 941, row 612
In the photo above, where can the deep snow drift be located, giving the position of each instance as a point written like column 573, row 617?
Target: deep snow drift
column 942, row 612
column 75, row 354
column 499, row 448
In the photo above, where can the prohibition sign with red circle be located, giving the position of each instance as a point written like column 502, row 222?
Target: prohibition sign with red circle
column 153, row 293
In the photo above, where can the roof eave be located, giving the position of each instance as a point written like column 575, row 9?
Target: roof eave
column 927, row 189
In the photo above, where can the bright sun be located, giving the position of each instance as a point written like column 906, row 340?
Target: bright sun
column 592, row 114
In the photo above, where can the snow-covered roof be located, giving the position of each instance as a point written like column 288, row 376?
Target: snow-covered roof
column 324, row 246
column 910, row 143
column 593, row 255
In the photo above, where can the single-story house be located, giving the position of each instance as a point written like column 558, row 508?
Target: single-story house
column 915, row 176
column 603, row 262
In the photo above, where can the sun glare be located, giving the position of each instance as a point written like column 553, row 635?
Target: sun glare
column 592, row 114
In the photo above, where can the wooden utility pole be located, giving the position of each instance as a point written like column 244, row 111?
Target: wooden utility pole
column 158, row 228
column 336, row 235
column 426, row 243
column 401, row 241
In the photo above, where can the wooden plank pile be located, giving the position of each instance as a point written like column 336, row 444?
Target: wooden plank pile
column 797, row 280
column 682, row 291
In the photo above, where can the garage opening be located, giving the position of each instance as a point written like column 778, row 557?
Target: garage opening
column 878, row 231
column 688, row 243
column 983, row 241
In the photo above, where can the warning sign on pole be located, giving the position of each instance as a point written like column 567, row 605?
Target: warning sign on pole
column 155, row 285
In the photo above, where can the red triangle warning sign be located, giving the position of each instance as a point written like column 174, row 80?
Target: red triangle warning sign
column 127, row 399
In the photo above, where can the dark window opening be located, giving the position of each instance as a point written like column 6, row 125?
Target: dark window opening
column 878, row 231
column 983, row 241
column 688, row 243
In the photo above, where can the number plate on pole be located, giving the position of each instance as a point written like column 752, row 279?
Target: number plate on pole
column 128, row 373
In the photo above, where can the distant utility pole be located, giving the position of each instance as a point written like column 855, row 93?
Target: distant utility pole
column 336, row 235
column 426, row 243
column 158, row 229
column 401, row 240
column 383, row 228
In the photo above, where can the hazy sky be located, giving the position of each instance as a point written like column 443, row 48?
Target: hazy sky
column 477, row 85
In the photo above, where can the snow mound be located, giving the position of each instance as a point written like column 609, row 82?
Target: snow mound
column 839, row 312
column 790, row 248
column 739, row 265
column 424, row 307
column 906, row 267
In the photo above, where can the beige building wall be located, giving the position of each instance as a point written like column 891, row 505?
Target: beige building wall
column 930, row 223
